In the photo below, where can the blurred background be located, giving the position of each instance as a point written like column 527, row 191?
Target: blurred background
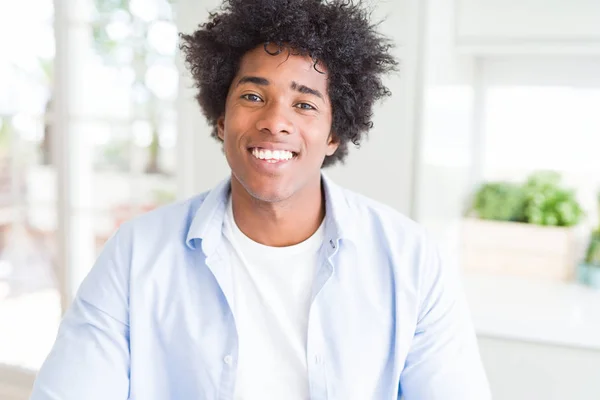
column 491, row 140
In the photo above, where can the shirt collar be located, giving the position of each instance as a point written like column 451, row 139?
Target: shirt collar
column 207, row 223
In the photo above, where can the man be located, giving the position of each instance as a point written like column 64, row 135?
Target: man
column 277, row 284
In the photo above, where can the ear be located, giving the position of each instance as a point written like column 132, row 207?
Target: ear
column 221, row 128
column 332, row 144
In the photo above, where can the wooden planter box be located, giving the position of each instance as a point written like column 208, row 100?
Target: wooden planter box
column 517, row 249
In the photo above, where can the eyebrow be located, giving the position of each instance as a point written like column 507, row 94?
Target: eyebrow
column 306, row 90
column 253, row 79
column 265, row 82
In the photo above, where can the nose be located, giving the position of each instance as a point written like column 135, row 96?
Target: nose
column 275, row 119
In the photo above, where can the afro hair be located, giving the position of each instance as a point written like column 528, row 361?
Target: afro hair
column 337, row 34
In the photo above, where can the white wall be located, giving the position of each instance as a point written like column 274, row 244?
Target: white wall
column 382, row 168
column 528, row 20
column 528, row 26
column 201, row 162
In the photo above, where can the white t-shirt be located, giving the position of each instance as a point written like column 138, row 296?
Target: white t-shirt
column 272, row 293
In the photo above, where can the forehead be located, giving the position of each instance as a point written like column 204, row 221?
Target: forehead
column 282, row 67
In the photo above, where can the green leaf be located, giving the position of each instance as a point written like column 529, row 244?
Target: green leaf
column 540, row 200
column 500, row 201
column 593, row 251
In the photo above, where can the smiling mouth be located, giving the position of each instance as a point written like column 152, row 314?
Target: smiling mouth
column 272, row 156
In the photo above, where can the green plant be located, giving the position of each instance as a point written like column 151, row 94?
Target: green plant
column 499, row 201
column 547, row 203
column 592, row 256
column 541, row 200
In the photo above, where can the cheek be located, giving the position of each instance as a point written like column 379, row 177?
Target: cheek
column 236, row 125
column 317, row 135
column 237, row 122
column 230, row 129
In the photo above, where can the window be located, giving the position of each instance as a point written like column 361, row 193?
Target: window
column 120, row 129
column 543, row 115
column 29, row 295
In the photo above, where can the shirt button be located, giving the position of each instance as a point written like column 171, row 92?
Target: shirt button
column 318, row 359
column 228, row 359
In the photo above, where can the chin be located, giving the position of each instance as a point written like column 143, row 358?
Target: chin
column 265, row 190
column 268, row 195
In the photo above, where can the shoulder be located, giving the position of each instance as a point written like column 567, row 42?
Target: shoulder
column 381, row 231
column 162, row 225
column 390, row 221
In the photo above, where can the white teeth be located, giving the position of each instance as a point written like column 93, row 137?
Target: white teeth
column 275, row 155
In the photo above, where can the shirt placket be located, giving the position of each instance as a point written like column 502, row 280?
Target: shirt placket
column 315, row 348
column 229, row 358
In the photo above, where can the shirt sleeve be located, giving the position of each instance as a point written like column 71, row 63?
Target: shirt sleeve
column 443, row 361
column 90, row 357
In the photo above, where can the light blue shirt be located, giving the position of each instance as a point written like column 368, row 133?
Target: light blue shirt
column 152, row 320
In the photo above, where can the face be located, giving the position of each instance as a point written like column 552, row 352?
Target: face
column 277, row 125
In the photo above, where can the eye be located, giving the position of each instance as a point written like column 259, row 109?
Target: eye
column 305, row 106
column 251, row 97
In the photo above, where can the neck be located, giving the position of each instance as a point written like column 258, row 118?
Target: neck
column 279, row 224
